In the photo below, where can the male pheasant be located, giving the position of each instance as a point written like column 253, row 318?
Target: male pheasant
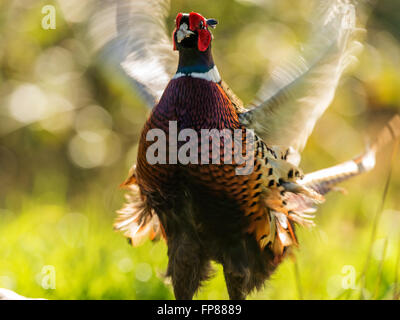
column 205, row 210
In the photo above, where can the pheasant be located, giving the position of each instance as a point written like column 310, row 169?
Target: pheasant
column 205, row 210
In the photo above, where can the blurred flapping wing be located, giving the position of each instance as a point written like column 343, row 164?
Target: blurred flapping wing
column 299, row 92
column 132, row 35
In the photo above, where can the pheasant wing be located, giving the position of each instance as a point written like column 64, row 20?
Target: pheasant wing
column 299, row 92
column 131, row 35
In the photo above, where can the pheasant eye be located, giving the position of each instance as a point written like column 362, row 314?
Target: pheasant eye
column 201, row 24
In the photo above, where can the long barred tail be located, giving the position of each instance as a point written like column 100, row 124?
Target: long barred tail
column 325, row 180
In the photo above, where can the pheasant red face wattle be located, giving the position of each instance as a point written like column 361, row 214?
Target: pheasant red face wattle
column 197, row 23
column 177, row 23
column 178, row 20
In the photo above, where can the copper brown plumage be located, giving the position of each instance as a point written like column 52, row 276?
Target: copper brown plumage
column 241, row 219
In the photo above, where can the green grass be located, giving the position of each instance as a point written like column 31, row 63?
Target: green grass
column 91, row 261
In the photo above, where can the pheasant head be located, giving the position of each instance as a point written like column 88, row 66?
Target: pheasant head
column 192, row 38
column 192, row 31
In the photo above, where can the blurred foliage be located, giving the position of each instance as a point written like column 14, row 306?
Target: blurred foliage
column 69, row 131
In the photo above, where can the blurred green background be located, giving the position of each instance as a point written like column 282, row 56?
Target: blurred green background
column 69, row 131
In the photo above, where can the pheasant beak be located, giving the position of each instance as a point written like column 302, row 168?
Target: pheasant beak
column 183, row 32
